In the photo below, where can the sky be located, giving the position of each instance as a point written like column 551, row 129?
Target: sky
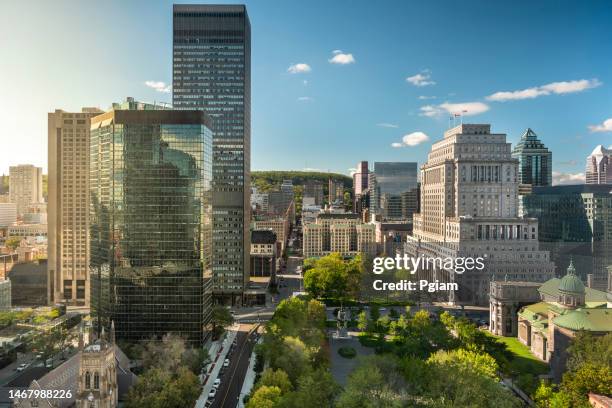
column 333, row 82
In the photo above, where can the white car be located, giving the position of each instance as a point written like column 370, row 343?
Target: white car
column 226, row 363
column 22, row 367
column 217, row 383
column 212, row 393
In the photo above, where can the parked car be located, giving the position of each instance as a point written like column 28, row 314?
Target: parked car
column 217, row 383
column 212, row 393
column 226, row 363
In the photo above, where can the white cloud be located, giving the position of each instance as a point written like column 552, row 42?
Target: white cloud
column 300, row 68
column 352, row 171
column 567, row 178
column 411, row 139
column 159, row 86
column 423, row 97
column 421, row 79
column 558, row 88
column 606, row 126
column 305, row 99
column 465, row 109
column 341, row 58
column 387, row 125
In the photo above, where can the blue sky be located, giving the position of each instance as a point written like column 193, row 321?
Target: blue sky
column 552, row 60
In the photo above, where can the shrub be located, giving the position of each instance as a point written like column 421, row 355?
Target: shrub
column 347, row 352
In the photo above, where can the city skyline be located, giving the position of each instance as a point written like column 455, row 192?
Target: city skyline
column 309, row 76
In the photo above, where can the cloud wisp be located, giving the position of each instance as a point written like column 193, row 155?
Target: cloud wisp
column 423, row 78
column 463, row 109
column 557, row 88
column 411, row 140
column 299, row 68
column 305, row 99
column 567, row 178
column 387, row 125
column 341, row 58
column 606, row 126
column 159, row 86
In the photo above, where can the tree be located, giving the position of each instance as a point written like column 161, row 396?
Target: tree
column 50, row 342
column 480, row 363
column 265, row 397
column 172, row 353
column 12, row 243
column 374, row 312
column 220, row 319
column 363, row 322
column 315, row 390
column 586, row 348
column 275, row 378
column 156, row 388
column 589, row 377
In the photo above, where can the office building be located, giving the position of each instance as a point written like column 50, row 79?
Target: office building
column 469, row 208
column 314, row 189
column 335, row 191
column 599, row 166
column 25, row 186
column 575, row 222
column 5, row 295
column 360, row 184
column 279, row 225
column 259, row 201
column 342, row 233
column 68, row 211
column 393, row 190
column 535, row 160
column 212, row 72
column 8, row 214
column 150, row 221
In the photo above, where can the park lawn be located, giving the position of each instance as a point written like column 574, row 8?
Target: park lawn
column 523, row 361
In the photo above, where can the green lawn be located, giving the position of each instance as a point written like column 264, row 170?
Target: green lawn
column 523, row 361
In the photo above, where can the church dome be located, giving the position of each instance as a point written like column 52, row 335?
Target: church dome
column 571, row 283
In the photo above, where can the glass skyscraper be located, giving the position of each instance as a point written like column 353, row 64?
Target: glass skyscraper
column 151, row 221
column 535, row 160
column 393, row 190
column 212, row 72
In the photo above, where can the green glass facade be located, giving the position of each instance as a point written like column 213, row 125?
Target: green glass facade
column 151, row 222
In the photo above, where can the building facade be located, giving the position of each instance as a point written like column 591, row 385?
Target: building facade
column 575, row 222
column 25, row 186
column 360, row 185
column 342, row 233
column 469, row 208
column 535, row 160
column 599, row 166
column 212, row 72
column 314, row 189
column 335, row 191
column 68, row 200
column 151, row 221
column 393, row 190
column 264, row 253
column 8, row 214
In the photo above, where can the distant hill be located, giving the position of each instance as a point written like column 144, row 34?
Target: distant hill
column 270, row 179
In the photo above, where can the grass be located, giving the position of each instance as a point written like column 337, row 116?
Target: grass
column 523, row 361
column 347, row 352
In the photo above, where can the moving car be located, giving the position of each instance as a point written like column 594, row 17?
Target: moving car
column 226, row 363
column 22, row 367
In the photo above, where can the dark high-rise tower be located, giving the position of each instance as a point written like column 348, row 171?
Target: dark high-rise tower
column 150, row 221
column 212, row 72
column 535, row 160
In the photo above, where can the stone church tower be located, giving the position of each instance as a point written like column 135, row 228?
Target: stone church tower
column 97, row 381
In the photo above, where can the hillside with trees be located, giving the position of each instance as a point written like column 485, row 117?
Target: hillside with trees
column 270, row 179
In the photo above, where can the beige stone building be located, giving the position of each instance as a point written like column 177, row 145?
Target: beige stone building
column 342, row 233
column 278, row 225
column 469, row 208
column 25, row 186
column 68, row 206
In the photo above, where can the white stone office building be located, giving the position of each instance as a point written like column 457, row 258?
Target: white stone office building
column 469, row 208
column 342, row 233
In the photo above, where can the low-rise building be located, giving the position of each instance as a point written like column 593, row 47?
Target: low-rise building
column 264, row 253
column 5, row 295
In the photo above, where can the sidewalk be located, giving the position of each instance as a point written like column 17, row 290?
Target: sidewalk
column 218, row 351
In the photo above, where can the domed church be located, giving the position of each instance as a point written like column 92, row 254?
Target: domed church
column 566, row 307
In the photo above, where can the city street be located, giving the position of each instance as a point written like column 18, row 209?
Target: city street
column 233, row 376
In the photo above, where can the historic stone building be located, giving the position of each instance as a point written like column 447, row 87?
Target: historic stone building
column 469, row 208
column 506, row 299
